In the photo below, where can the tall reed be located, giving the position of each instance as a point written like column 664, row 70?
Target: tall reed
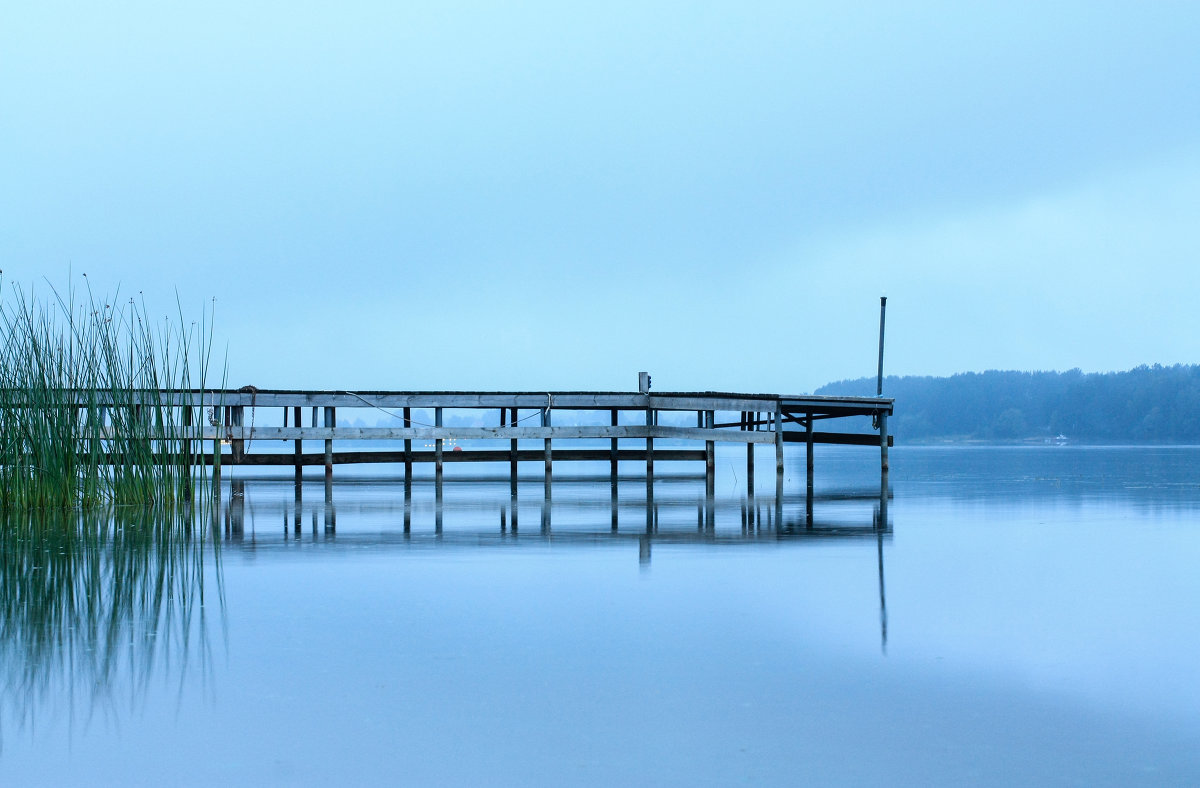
column 98, row 402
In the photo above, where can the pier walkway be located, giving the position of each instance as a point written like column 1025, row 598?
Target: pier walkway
column 237, row 423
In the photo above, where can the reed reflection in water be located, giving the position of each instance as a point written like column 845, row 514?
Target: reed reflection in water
column 94, row 604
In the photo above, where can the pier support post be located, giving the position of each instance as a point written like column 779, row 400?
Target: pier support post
column 512, row 466
column 710, row 453
column 549, row 459
column 750, row 419
column 216, row 461
column 883, row 444
column 299, row 450
column 779, row 441
column 330, row 421
column 239, row 444
column 612, row 452
column 187, row 451
column 883, row 467
column 650, row 419
column 437, row 447
column 408, row 447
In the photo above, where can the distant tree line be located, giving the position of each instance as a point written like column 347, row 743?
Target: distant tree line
column 1149, row 404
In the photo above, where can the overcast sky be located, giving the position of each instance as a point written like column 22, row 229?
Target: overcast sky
column 558, row 195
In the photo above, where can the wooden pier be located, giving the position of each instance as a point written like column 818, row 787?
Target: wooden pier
column 237, row 424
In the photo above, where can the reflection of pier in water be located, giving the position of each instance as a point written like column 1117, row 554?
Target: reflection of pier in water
column 481, row 513
column 692, row 517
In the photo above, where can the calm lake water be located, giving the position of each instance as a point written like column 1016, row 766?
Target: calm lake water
column 1023, row 615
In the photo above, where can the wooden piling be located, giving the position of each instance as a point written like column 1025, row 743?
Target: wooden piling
column 299, row 448
column 408, row 459
column 710, row 452
column 216, row 460
column 187, row 451
column 751, row 417
column 779, row 441
column 512, row 465
column 437, row 448
column 549, row 458
column 612, row 456
column 650, row 416
column 883, row 445
column 883, row 467
column 239, row 444
column 330, row 421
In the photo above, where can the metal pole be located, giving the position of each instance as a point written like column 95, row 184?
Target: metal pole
column 882, row 315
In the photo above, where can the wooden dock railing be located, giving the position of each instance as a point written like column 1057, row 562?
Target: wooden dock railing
column 237, row 424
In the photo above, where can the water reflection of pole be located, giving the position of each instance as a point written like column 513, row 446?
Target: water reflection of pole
column 613, row 502
column 644, row 551
column 880, row 526
column 330, row 509
column 437, row 506
column 808, row 462
column 649, row 506
column 407, row 497
column 778, row 501
column 299, row 505
column 237, row 508
column 750, row 505
column 513, row 501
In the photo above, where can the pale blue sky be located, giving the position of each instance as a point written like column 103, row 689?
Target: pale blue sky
column 539, row 195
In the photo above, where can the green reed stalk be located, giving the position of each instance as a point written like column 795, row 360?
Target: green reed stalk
column 98, row 403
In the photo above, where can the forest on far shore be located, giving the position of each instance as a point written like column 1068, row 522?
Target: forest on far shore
column 1149, row 404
